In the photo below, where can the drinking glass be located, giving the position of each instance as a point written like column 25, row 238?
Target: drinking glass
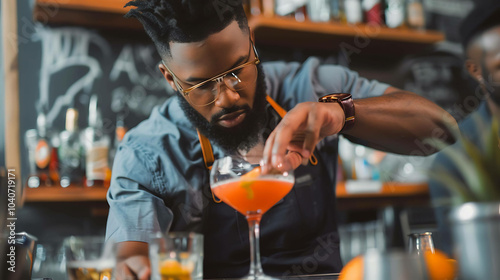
column 420, row 242
column 240, row 183
column 177, row 255
column 89, row 258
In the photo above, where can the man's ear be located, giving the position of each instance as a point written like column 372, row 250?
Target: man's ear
column 252, row 34
column 474, row 69
column 167, row 75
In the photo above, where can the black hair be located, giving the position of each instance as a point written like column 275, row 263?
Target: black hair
column 185, row 21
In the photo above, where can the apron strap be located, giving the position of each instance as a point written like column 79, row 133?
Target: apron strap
column 208, row 157
column 206, row 149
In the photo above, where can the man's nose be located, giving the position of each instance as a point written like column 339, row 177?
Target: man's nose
column 227, row 97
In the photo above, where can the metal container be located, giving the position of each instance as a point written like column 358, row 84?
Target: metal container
column 476, row 233
column 393, row 265
column 19, row 257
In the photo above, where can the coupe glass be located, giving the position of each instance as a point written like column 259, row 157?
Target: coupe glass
column 240, row 183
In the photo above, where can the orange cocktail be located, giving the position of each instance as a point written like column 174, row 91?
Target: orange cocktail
column 252, row 196
column 252, row 187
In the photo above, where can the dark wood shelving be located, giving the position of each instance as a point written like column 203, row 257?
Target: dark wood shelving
column 69, row 194
column 391, row 193
column 273, row 30
column 361, row 38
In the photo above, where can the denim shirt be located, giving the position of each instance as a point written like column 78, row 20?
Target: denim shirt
column 160, row 182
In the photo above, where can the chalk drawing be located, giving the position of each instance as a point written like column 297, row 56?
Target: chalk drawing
column 67, row 47
column 63, row 48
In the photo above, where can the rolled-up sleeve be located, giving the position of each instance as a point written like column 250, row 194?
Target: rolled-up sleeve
column 136, row 209
column 333, row 76
column 293, row 83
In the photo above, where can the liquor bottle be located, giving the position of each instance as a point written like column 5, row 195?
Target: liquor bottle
column 255, row 7
column 30, row 140
column 395, row 13
column 353, row 11
column 337, row 11
column 373, row 11
column 268, row 7
column 39, row 153
column 96, row 144
column 416, row 16
column 120, row 131
column 71, row 159
column 319, row 10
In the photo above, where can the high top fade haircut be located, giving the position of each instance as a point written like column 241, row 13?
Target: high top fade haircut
column 185, row 21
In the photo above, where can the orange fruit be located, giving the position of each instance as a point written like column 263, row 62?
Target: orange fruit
column 248, row 178
column 439, row 266
column 353, row 270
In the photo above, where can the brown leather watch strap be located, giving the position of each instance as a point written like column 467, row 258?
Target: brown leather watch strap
column 347, row 104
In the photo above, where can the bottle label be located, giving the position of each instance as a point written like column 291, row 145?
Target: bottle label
column 42, row 154
column 71, row 161
column 97, row 163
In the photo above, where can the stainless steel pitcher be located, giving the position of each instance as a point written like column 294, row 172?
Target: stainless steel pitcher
column 476, row 234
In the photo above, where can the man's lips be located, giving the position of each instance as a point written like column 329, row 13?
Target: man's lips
column 232, row 119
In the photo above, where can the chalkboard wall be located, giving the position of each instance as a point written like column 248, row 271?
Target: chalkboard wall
column 63, row 66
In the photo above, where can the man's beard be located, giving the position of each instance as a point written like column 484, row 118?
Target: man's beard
column 241, row 137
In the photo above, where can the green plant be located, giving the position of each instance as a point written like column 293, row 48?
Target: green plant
column 479, row 165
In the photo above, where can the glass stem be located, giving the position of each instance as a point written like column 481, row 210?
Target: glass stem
column 254, row 231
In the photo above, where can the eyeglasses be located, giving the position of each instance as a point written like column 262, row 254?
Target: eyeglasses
column 235, row 79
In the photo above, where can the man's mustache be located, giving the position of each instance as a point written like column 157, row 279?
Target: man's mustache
column 215, row 118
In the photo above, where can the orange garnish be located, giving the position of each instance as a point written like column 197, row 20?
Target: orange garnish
column 252, row 174
column 248, row 179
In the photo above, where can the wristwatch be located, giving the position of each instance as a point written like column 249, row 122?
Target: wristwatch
column 345, row 101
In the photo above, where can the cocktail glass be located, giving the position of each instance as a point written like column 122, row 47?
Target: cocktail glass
column 89, row 257
column 240, row 183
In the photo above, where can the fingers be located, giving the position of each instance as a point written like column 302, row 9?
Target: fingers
column 298, row 132
column 133, row 268
column 122, row 272
column 295, row 159
column 311, row 134
column 140, row 266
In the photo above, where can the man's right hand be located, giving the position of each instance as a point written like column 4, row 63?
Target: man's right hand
column 133, row 261
column 133, row 268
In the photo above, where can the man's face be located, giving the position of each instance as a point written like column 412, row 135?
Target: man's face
column 235, row 118
column 484, row 54
column 491, row 63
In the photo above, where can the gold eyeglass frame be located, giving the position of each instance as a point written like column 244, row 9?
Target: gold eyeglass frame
column 216, row 78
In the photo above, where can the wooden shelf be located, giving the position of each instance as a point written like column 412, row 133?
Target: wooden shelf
column 362, row 38
column 273, row 31
column 389, row 190
column 391, row 194
column 101, row 14
column 112, row 6
column 70, row 194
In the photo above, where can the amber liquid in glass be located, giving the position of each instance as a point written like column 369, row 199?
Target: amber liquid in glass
column 89, row 270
